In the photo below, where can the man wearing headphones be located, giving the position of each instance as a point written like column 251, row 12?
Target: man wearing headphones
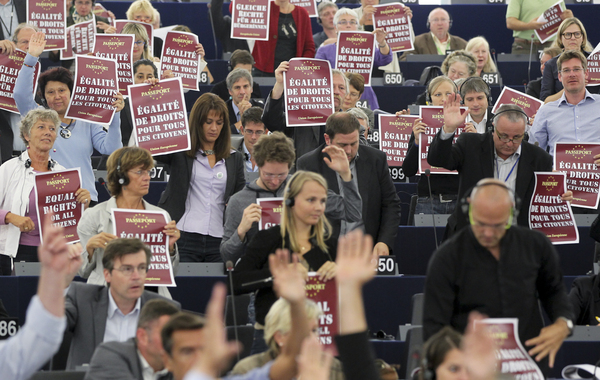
column 476, row 95
column 501, row 271
column 326, row 10
column 437, row 40
column 496, row 154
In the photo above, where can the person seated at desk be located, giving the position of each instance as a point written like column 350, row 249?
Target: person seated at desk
column 143, row 11
column 356, row 89
column 240, row 59
column 438, row 40
column 239, row 84
column 442, row 357
column 585, row 300
column 480, row 48
column 252, row 129
column 326, row 11
column 534, row 88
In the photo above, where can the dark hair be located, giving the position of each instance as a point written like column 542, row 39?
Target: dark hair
column 275, row 147
column 436, row 348
column 181, row 321
column 252, row 115
column 474, row 84
column 129, row 158
column 206, row 103
column 118, row 248
column 342, row 123
column 241, row 57
column 570, row 54
column 146, row 62
column 357, row 81
column 154, row 309
column 512, row 112
column 55, row 74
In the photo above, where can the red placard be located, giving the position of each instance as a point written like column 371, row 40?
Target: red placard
column 393, row 19
column 95, row 84
column 250, row 19
column 119, row 24
column 552, row 20
column 355, row 53
column 55, row 193
column 548, row 213
column 10, row 65
column 325, row 294
column 50, row 16
column 100, row 11
column 576, row 160
column 528, row 104
column 309, row 5
column 148, row 226
column 179, row 56
column 433, row 116
column 120, row 48
column 308, row 92
column 512, row 357
column 270, row 214
column 159, row 116
column 80, row 39
column 593, row 70
column 394, row 135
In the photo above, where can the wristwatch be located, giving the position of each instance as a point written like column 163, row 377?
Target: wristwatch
column 569, row 325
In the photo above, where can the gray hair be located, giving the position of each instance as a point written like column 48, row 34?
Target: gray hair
column 236, row 75
column 326, row 4
column 358, row 113
column 21, row 26
column 340, row 72
column 460, row 56
column 342, row 12
column 33, row 117
column 512, row 112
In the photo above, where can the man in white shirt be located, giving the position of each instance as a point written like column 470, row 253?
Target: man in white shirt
column 476, row 95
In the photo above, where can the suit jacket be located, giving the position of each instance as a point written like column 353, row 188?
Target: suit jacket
column 473, row 156
column 86, row 309
column 21, row 10
column 6, row 135
column 221, row 90
column 233, row 117
column 534, row 88
column 585, row 299
column 380, row 203
column 180, row 170
column 424, row 44
column 115, row 360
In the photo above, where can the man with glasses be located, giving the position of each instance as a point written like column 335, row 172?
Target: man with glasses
column 274, row 155
column 496, row 154
column 97, row 314
column 252, row 128
column 437, row 40
column 240, row 86
column 574, row 116
column 499, row 270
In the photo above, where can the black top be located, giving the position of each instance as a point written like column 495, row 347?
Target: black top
column 464, row 276
column 3, row 312
column 254, row 265
column 287, row 33
column 585, row 300
column 357, row 356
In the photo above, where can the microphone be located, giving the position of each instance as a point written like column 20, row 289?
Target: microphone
column 103, row 183
column 529, row 64
column 265, row 280
column 497, row 68
column 229, row 266
column 428, row 173
column 212, row 28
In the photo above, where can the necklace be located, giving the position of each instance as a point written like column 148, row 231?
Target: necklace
column 209, row 152
column 65, row 133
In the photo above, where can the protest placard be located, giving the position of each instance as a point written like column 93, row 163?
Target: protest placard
column 394, row 135
column 120, row 48
column 270, row 213
column 250, row 19
column 576, row 160
column 80, row 39
column 325, row 294
column 551, row 19
column 179, row 56
column 593, row 67
column 309, row 5
column 392, row 18
column 355, row 53
column 50, row 16
column 10, row 65
column 433, row 116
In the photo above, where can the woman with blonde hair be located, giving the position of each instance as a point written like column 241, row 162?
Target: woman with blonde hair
column 304, row 230
column 479, row 47
column 140, row 43
column 571, row 36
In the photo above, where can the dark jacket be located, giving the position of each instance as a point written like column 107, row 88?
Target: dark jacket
column 21, row 13
column 233, row 116
column 585, row 300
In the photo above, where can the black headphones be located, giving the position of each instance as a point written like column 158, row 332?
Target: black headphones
column 488, row 91
column 290, row 202
column 449, row 20
column 510, row 110
column 123, row 178
column 428, row 95
column 51, row 164
column 465, row 206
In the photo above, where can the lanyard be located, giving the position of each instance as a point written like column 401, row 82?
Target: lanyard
column 511, row 170
column 9, row 27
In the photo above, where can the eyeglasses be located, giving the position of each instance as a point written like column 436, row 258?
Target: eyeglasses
column 569, row 35
column 576, row 70
column 250, row 132
column 142, row 172
column 495, row 227
column 143, row 18
column 351, row 22
column 128, row 270
column 273, row 176
column 139, row 42
column 505, row 139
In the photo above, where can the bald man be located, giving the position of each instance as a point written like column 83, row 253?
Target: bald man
column 500, row 270
column 437, row 40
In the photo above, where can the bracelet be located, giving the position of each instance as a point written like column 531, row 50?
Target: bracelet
column 384, row 45
column 24, row 64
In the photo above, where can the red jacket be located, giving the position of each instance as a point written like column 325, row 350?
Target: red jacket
column 264, row 51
